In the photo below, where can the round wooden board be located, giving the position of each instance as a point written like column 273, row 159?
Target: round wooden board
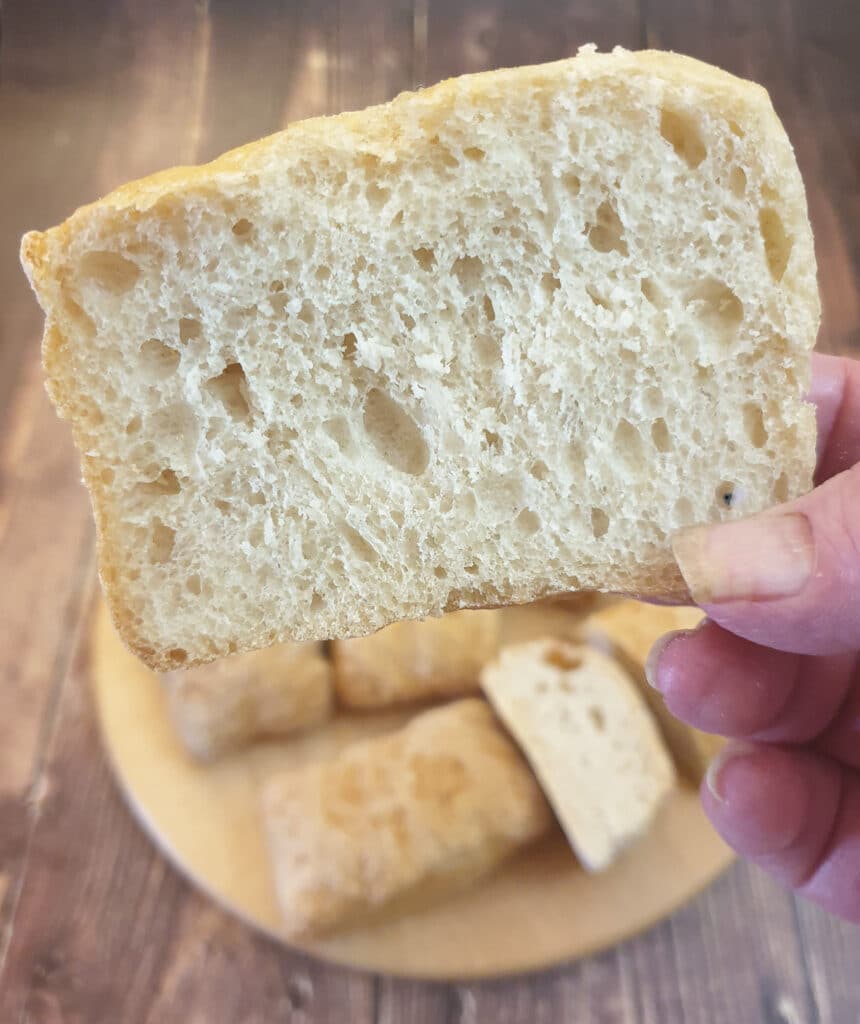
column 537, row 911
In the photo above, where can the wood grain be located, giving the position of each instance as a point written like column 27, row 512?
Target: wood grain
column 93, row 925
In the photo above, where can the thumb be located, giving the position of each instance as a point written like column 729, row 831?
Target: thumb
column 787, row 578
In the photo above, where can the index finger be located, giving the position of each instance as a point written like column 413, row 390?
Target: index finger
column 835, row 392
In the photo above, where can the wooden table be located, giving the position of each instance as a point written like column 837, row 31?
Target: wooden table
column 94, row 925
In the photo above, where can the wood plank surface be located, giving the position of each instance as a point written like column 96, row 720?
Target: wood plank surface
column 94, row 925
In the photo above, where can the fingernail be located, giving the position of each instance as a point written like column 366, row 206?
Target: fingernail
column 731, row 752
column 764, row 557
column 656, row 652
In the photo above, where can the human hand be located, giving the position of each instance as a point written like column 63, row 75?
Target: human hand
column 776, row 667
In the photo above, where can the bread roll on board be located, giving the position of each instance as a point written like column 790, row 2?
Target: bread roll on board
column 419, row 811
column 268, row 694
column 488, row 342
column 590, row 739
column 430, row 659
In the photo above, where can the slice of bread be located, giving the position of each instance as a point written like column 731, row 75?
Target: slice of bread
column 591, row 740
column 267, row 694
column 489, row 342
column 412, row 661
column 627, row 631
column 422, row 810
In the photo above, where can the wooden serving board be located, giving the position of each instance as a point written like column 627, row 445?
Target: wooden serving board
column 536, row 911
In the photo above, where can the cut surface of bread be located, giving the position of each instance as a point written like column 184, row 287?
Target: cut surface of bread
column 489, row 342
column 627, row 631
column 591, row 740
column 432, row 806
column 220, row 707
column 413, row 661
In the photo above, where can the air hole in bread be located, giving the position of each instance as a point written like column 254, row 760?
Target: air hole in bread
column 230, row 388
column 407, row 320
column 107, row 476
column 727, row 495
column 359, row 545
column 397, row 219
column 82, row 321
column 471, row 568
column 397, row 517
column 492, row 441
column 222, row 505
column 256, row 536
column 278, row 301
column 297, row 401
column 653, row 293
column 571, row 182
column 597, row 298
column 598, row 720
column 660, row 435
column 276, row 286
column 157, row 360
column 487, row 351
column 606, row 234
column 394, row 434
column 474, row 153
column 539, row 470
column 110, row 271
column 738, row 181
column 256, row 498
column 307, row 314
column 133, row 426
column 653, row 400
column 242, row 229
column 339, row 431
column 176, row 657
column 166, row 482
column 189, row 329
column 445, row 155
column 599, row 523
column 323, row 272
column 279, row 438
column 161, row 542
column 777, row 244
column 754, row 425
column 780, row 489
column 549, row 284
column 717, row 306
column 316, row 601
column 628, row 441
column 425, row 257
column 469, row 271
column 440, row 572
column 736, row 129
column 558, row 657
column 376, row 195
column 527, row 522
column 349, row 345
column 489, row 308
column 682, row 134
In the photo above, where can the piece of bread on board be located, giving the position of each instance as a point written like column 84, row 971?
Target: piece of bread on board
column 267, row 694
column 627, row 630
column 426, row 659
column 491, row 341
column 590, row 739
column 425, row 809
